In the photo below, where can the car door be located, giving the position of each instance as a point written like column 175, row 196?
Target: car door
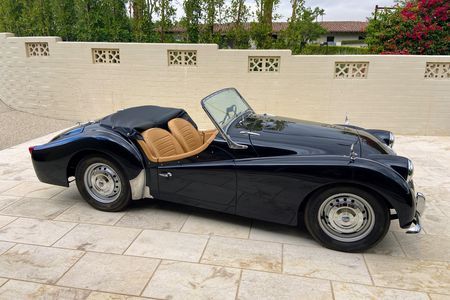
column 207, row 180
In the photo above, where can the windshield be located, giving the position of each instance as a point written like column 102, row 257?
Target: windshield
column 225, row 106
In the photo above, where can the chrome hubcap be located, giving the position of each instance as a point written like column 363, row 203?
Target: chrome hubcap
column 102, row 183
column 346, row 217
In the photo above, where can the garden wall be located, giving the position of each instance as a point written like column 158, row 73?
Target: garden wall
column 83, row 81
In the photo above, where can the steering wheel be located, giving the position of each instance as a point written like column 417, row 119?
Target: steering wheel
column 231, row 109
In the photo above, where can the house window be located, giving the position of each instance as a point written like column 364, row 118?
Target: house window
column 330, row 39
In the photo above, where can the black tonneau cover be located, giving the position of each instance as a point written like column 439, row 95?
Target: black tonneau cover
column 137, row 119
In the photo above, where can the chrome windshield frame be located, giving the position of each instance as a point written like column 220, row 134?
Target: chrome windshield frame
column 223, row 132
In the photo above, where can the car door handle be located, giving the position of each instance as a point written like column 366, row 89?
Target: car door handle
column 165, row 174
column 249, row 133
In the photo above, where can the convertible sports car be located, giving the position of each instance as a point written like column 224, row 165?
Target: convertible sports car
column 343, row 182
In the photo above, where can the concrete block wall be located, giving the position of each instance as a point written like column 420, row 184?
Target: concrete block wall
column 68, row 85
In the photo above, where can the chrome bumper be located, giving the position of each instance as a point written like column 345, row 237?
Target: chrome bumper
column 416, row 227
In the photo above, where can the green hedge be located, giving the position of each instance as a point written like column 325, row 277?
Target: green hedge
column 352, row 42
column 330, row 50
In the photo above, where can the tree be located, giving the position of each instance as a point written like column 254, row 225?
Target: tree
column 302, row 28
column 191, row 21
column 64, row 18
column 413, row 27
column 166, row 12
column 11, row 12
column 117, row 23
column 262, row 30
column 213, row 15
column 142, row 26
column 237, row 36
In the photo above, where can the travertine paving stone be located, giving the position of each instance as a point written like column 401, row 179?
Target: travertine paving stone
column 84, row 213
column 70, row 194
column 325, row 264
column 99, row 238
column 34, row 231
column 217, row 224
column 261, row 285
column 111, row 273
column 109, row 296
column 427, row 247
column 3, row 281
column 6, row 201
column 8, row 184
column 36, row 263
column 37, row 208
column 388, row 246
column 437, row 225
column 153, row 217
column 179, row 280
column 439, row 297
column 430, row 276
column 14, row 289
column 241, row 253
column 5, row 220
column 265, row 231
column 4, row 246
column 168, row 245
column 34, row 189
column 346, row 291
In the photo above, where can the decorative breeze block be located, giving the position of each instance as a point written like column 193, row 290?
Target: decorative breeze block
column 37, row 49
column 182, row 57
column 351, row 70
column 437, row 70
column 106, row 56
column 264, row 64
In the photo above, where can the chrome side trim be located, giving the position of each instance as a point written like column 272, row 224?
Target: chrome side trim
column 138, row 188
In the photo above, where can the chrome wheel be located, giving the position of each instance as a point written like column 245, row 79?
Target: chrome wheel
column 346, row 217
column 102, row 182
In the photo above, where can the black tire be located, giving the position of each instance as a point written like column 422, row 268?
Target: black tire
column 120, row 200
column 368, row 236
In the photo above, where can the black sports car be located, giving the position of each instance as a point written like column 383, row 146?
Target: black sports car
column 343, row 182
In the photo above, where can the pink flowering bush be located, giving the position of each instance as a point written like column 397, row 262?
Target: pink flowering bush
column 415, row 27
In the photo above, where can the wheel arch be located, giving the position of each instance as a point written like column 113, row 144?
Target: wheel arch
column 328, row 186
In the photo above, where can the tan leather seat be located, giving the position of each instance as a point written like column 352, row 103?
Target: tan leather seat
column 161, row 143
column 161, row 146
column 186, row 134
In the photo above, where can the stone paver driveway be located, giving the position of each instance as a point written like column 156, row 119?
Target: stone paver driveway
column 53, row 245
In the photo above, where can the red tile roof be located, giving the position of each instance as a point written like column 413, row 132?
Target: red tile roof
column 330, row 26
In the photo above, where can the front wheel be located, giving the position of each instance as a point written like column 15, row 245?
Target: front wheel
column 347, row 219
column 102, row 183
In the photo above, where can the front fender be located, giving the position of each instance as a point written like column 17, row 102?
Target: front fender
column 389, row 184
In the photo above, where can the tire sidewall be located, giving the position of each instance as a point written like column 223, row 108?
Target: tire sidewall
column 379, row 230
column 125, row 194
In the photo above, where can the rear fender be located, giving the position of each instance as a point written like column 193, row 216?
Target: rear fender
column 55, row 161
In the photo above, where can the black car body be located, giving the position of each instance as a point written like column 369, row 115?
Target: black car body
column 258, row 166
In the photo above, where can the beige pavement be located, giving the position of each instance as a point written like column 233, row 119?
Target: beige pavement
column 55, row 246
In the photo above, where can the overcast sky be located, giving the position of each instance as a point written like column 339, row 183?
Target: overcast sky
column 335, row 10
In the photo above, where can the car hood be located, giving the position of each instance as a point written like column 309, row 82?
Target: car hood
column 293, row 136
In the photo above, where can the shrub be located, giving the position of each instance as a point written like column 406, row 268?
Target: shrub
column 414, row 27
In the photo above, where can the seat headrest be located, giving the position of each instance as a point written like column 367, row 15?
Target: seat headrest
column 161, row 143
column 186, row 134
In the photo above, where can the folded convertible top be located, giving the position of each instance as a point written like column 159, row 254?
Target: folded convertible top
column 137, row 119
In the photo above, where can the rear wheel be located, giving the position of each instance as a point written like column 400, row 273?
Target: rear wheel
column 102, row 183
column 347, row 219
